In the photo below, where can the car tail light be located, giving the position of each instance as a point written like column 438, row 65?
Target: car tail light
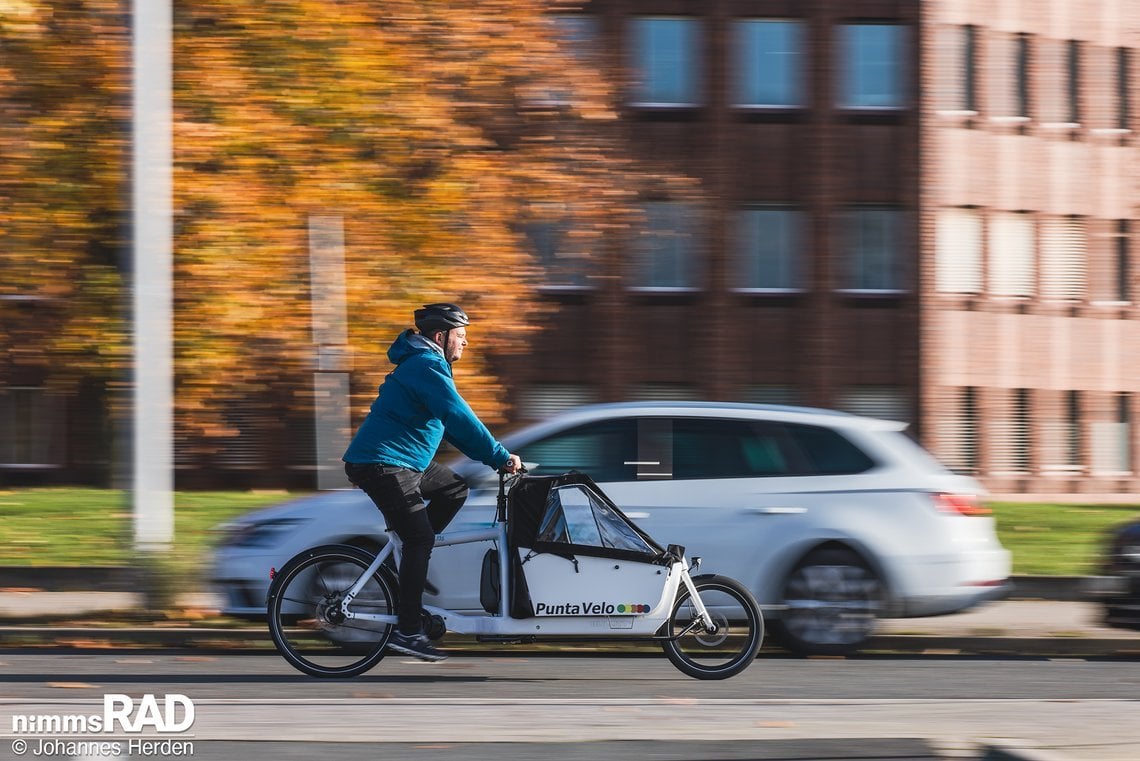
column 960, row 504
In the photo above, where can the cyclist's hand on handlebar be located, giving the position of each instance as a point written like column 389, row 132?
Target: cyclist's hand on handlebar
column 513, row 465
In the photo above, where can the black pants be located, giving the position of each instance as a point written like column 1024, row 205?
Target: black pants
column 400, row 493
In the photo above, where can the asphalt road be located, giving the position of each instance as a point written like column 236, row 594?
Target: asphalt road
column 573, row 707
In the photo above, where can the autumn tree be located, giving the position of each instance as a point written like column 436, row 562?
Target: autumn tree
column 64, row 145
column 434, row 128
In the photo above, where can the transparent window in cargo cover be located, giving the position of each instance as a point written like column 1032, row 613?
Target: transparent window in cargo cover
column 575, row 515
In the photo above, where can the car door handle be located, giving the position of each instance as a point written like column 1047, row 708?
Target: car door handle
column 776, row 510
column 635, row 516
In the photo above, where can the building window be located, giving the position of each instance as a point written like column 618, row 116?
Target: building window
column 1022, row 430
column 1005, row 60
column 883, row 402
column 664, row 257
column 1009, row 436
column 663, row 392
column 772, row 393
column 958, row 432
column 1111, row 444
column 769, row 249
column 1073, row 429
column 1063, row 247
column 1124, row 419
column 1010, row 247
column 769, row 63
column 1073, row 91
column 956, row 69
column 1061, row 438
column 970, row 68
column 542, row 400
column 958, row 251
column 1123, row 88
column 32, row 430
column 1021, row 75
column 872, row 244
column 1123, row 261
column 872, row 62
column 971, row 454
column 564, row 256
column 665, row 61
column 577, row 34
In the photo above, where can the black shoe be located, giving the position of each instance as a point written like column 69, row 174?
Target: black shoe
column 416, row 645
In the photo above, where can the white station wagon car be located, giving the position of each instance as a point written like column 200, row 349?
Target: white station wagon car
column 832, row 520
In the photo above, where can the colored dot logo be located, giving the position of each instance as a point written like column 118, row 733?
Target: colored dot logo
column 628, row 608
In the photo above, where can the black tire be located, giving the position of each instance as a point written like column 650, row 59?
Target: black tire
column 302, row 604
column 831, row 603
column 727, row 650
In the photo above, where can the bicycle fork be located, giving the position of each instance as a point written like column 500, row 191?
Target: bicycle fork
column 703, row 618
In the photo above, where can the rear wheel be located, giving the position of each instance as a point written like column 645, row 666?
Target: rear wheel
column 305, row 619
column 730, row 645
column 831, row 604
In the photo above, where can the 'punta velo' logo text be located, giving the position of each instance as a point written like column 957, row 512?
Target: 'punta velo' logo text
column 588, row 609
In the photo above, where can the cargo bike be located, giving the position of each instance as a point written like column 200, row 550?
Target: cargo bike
column 565, row 563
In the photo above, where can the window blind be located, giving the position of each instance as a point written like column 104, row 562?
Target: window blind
column 1011, row 270
column 959, row 251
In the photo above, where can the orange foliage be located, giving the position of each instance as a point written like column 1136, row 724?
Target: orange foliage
column 424, row 124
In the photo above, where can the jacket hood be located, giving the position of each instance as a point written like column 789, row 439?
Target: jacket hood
column 410, row 343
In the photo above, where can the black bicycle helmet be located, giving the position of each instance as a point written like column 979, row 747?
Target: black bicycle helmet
column 440, row 317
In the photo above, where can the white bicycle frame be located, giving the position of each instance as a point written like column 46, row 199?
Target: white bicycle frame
column 502, row 624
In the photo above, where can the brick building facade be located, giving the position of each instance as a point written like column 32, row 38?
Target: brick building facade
column 726, row 329
column 962, row 179
column 1030, row 338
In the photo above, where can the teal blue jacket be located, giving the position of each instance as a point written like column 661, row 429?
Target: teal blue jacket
column 417, row 408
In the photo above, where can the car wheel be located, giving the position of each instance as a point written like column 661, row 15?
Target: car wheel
column 831, row 602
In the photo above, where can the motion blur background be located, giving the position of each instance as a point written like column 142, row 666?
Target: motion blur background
column 921, row 211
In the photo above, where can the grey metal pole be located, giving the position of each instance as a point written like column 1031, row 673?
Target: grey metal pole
column 152, row 205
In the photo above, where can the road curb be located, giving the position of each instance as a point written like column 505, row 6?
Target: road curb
column 258, row 640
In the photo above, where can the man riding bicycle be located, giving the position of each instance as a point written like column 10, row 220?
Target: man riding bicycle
column 390, row 457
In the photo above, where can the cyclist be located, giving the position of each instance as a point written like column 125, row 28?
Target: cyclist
column 390, row 457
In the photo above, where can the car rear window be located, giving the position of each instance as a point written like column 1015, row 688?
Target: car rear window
column 711, row 448
column 718, row 448
column 827, row 452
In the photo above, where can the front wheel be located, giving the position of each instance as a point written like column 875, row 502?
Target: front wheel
column 305, row 618
column 730, row 645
